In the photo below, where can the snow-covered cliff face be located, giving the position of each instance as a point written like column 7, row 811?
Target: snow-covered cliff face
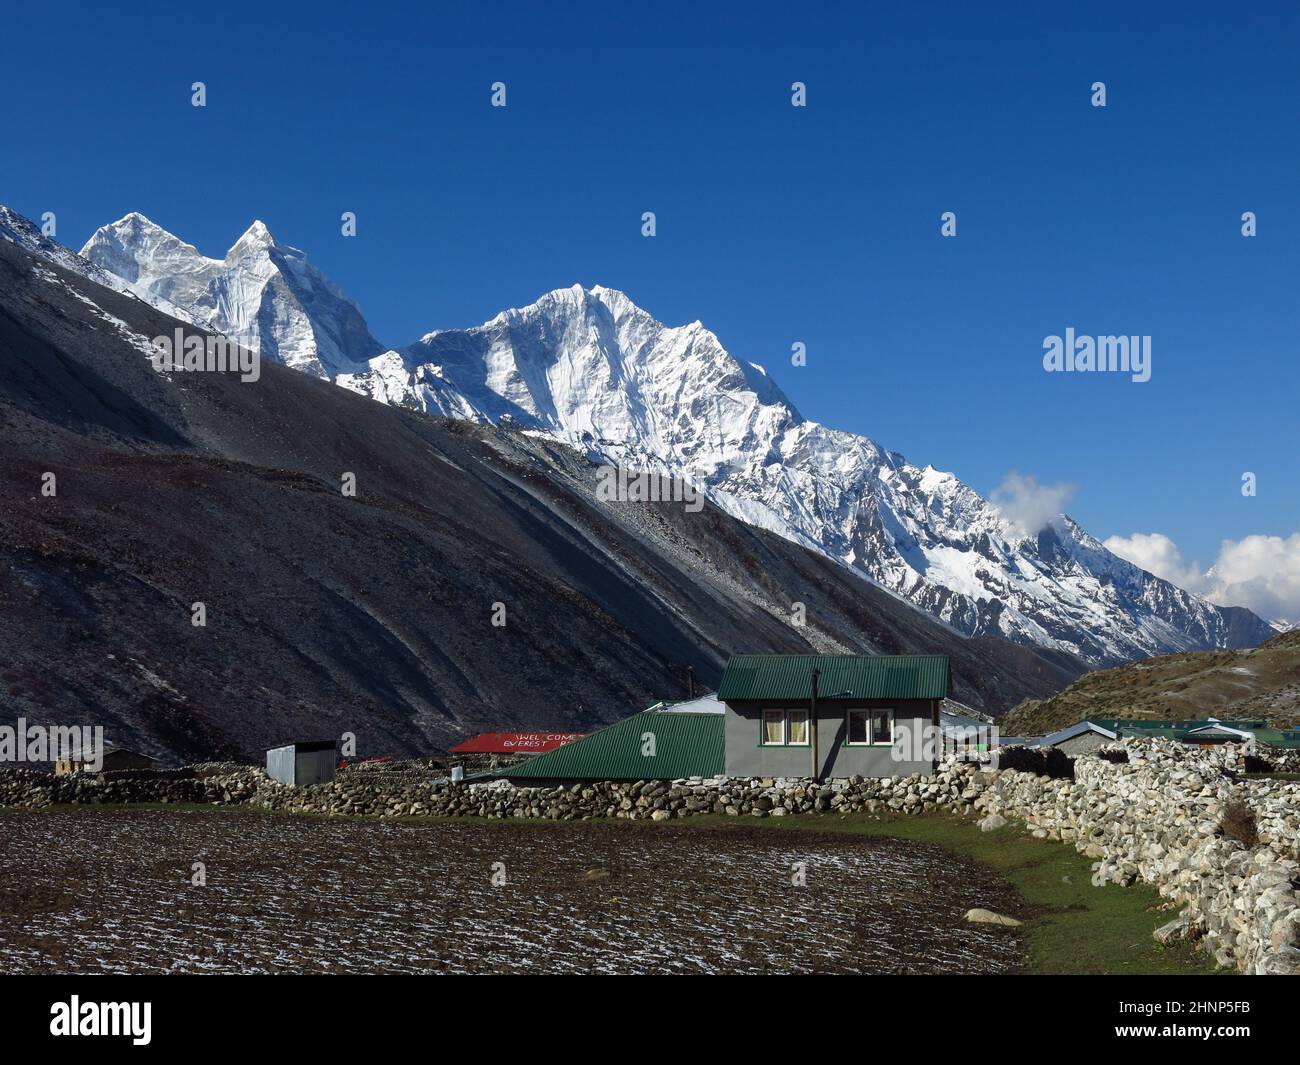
column 590, row 368
column 264, row 295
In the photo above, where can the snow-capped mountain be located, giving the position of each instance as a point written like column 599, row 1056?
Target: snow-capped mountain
column 590, row 368
column 23, row 232
column 264, row 295
column 26, row 234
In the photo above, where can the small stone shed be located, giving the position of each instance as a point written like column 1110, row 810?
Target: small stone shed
column 115, row 759
column 1080, row 738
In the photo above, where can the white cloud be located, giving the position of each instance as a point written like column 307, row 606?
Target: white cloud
column 1158, row 554
column 1261, row 573
column 1027, row 505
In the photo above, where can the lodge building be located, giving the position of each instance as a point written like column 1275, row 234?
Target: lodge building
column 822, row 716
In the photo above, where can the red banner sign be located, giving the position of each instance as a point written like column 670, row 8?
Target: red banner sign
column 515, row 742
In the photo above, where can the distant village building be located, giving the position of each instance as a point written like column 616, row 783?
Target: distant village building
column 969, row 737
column 1085, row 736
column 115, row 759
column 1216, row 732
column 1079, row 738
column 302, row 763
column 1204, row 731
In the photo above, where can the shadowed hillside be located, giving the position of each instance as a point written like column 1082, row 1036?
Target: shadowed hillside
column 370, row 614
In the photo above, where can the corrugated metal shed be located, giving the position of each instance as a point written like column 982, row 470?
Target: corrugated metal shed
column 866, row 676
column 685, row 745
column 302, row 763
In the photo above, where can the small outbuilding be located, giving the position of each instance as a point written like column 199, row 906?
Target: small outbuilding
column 302, row 763
column 1215, row 732
column 114, row 759
column 1079, row 738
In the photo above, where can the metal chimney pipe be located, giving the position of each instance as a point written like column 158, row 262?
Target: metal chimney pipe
column 812, row 724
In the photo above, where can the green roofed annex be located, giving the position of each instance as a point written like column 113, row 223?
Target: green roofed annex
column 661, row 743
column 821, row 716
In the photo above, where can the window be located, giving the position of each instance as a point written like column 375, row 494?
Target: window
column 870, row 728
column 784, row 728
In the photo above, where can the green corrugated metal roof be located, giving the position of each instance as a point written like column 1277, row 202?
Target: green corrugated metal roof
column 866, row 676
column 685, row 745
column 1278, row 737
column 1183, row 730
column 1117, row 723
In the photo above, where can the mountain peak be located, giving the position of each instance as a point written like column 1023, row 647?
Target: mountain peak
column 134, row 227
column 119, row 246
column 587, row 366
column 255, row 236
column 579, row 295
column 135, row 220
column 261, row 294
column 19, row 229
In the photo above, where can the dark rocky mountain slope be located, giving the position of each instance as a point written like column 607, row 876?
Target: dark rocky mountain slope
column 373, row 615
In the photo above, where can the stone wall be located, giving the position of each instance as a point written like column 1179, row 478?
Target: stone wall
column 219, row 783
column 1281, row 761
column 1157, row 818
column 1154, row 816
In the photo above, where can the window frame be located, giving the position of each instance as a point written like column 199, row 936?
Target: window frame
column 871, row 712
column 784, row 713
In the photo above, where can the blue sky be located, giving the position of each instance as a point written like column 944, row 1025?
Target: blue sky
column 775, row 224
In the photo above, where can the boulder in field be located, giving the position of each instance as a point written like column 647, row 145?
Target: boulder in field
column 980, row 916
